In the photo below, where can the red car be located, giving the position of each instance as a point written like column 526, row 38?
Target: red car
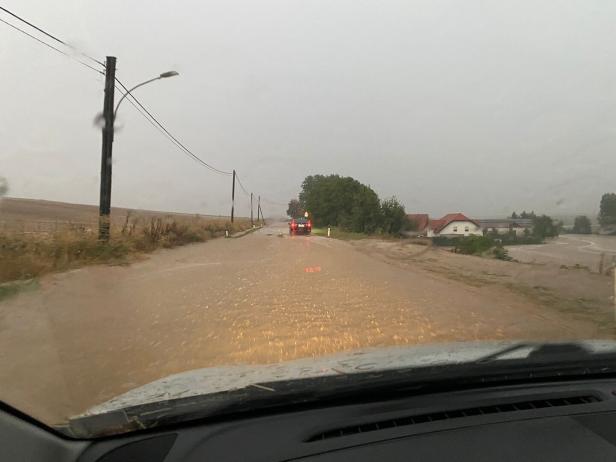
column 300, row 226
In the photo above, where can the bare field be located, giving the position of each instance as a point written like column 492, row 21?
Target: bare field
column 32, row 215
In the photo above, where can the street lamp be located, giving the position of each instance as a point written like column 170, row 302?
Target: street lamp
column 108, row 118
column 164, row 75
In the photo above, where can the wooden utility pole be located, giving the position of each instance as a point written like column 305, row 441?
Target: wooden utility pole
column 614, row 286
column 233, row 197
column 104, row 209
column 258, row 207
column 251, row 220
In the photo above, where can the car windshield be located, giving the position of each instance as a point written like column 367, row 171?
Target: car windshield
column 202, row 199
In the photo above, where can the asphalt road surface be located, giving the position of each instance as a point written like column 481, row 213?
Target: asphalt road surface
column 569, row 249
column 87, row 335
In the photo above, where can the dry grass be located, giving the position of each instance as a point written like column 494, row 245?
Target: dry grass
column 26, row 256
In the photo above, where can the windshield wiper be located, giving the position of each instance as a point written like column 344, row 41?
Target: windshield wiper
column 540, row 352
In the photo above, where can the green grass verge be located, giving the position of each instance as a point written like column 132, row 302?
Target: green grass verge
column 10, row 289
column 338, row 233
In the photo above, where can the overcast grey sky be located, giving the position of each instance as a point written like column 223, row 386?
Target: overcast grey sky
column 474, row 106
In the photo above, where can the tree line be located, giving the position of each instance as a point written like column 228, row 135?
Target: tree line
column 607, row 209
column 334, row 200
column 581, row 223
column 4, row 186
column 514, row 215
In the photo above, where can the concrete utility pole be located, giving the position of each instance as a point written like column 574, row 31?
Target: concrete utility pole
column 104, row 208
column 233, row 197
column 251, row 220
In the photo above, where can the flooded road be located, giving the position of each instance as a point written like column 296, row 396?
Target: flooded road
column 87, row 335
column 569, row 249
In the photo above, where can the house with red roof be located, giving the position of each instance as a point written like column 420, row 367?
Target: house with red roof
column 454, row 224
column 451, row 225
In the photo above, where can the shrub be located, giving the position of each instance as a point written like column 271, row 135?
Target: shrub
column 473, row 245
column 442, row 241
column 394, row 219
column 501, row 253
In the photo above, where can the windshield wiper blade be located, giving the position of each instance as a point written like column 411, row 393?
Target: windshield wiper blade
column 543, row 352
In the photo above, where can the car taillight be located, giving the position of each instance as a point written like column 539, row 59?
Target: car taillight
column 309, row 224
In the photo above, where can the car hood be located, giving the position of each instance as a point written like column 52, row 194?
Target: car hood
column 213, row 380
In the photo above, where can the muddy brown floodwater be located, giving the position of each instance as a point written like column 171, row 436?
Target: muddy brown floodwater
column 87, row 335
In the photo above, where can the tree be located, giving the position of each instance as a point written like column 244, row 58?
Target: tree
column 581, row 225
column 295, row 209
column 526, row 215
column 560, row 226
column 341, row 201
column 514, row 215
column 4, row 186
column 544, row 226
column 393, row 217
column 607, row 209
column 364, row 215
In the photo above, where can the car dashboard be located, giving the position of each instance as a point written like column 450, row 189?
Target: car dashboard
column 574, row 420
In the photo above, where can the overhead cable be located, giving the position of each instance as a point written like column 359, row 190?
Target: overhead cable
column 51, row 46
column 52, row 36
column 170, row 135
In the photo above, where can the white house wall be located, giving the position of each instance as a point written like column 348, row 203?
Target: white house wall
column 459, row 228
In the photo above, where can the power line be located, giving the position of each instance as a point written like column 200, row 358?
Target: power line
column 131, row 98
column 52, row 36
column 50, row 46
column 151, row 122
column 145, row 115
column 263, row 199
column 168, row 133
column 237, row 177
